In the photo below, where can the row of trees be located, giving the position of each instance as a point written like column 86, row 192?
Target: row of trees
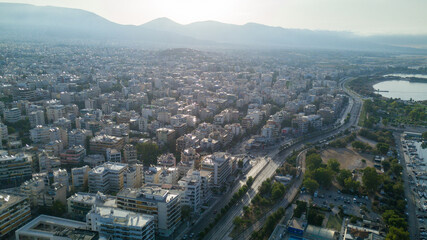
column 236, row 196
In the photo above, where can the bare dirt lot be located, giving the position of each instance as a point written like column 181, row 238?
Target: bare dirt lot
column 348, row 158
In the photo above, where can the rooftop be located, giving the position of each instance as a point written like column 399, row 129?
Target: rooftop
column 123, row 217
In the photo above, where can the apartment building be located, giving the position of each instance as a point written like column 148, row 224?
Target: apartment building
column 80, row 204
column 117, row 223
column 191, row 184
column 52, row 228
column 99, row 144
column 14, row 212
column 219, row 164
column 108, row 177
column 160, row 203
column 73, row 155
column 79, row 178
column 14, row 169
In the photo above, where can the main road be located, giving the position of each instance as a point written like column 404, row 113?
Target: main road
column 225, row 226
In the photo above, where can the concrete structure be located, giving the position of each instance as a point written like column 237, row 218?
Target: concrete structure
column 80, row 204
column 165, row 135
column 12, row 115
column 14, row 212
column 166, row 160
column 79, row 178
column 129, row 154
column 48, row 163
column 220, row 165
column 100, row 144
column 55, row 112
column 94, row 160
column 36, row 118
column 117, row 223
column 112, row 155
column 163, row 205
column 192, row 190
column 78, row 137
column 14, row 169
column 73, row 155
column 54, row 228
column 107, row 177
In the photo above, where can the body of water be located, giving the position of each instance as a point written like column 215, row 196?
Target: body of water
column 402, row 89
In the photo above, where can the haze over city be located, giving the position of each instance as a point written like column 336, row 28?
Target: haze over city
column 213, row 120
column 365, row 17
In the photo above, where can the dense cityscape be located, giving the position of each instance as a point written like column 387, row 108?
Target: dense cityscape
column 122, row 142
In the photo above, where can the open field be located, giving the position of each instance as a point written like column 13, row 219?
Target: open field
column 348, row 158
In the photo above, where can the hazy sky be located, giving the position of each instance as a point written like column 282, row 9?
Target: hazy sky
column 359, row 16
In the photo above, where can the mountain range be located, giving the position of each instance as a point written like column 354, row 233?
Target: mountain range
column 23, row 22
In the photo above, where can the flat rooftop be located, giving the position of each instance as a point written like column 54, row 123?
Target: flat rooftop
column 124, row 217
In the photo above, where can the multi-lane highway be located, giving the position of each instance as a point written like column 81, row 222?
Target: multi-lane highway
column 222, row 230
column 264, row 169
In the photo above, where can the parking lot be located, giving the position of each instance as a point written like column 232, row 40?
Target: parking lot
column 359, row 206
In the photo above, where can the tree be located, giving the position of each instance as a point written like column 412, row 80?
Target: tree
column 300, row 209
column 334, row 165
column 323, row 176
column 395, row 233
column 265, row 187
column 351, row 185
column 238, row 221
column 371, row 179
column 343, row 174
column 240, row 163
column 425, row 135
column 314, row 217
column 58, row 208
column 277, row 191
column 358, row 145
column 313, row 161
column 311, row 185
column 382, row 148
column 185, row 211
column 148, row 152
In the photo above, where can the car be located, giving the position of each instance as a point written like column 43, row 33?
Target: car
column 215, row 211
column 191, row 235
column 185, row 237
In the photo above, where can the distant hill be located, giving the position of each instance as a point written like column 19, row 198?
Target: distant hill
column 23, row 22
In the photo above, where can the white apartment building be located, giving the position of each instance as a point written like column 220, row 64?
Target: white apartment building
column 78, row 137
column 108, row 177
column 36, row 118
column 79, row 204
column 117, row 223
column 12, row 115
column 79, row 178
column 15, row 169
column 14, row 211
column 192, row 187
column 112, row 155
column 219, row 164
column 55, row 112
column 160, row 203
